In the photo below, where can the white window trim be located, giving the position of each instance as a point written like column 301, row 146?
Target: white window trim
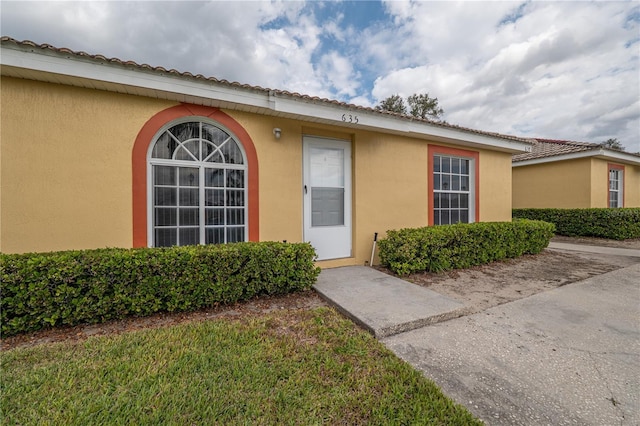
column 201, row 166
column 620, row 191
column 472, row 186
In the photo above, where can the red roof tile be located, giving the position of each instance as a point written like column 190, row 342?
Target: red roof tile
column 544, row 148
column 551, row 147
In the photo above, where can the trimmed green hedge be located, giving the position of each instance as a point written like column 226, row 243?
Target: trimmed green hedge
column 616, row 224
column 91, row 286
column 441, row 248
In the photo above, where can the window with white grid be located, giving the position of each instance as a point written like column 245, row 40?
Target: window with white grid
column 197, row 184
column 615, row 188
column 452, row 190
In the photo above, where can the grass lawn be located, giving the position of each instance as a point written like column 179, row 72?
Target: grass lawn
column 287, row 367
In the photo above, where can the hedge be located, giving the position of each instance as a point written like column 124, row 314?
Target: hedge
column 41, row 290
column 441, row 248
column 617, row 224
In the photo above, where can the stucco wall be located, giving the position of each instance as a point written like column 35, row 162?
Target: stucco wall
column 579, row 183
column 495, row 186
column 632, row 186
column 600, row 183
column 390, row 175
column 561, row 184
column 66, row 165
column 67, row 172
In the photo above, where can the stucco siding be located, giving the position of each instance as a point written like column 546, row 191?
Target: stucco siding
column 562, row 184
column 495, row 186
column 390, row 190
column 66, row 165
column 599, row 183
column 632, row 186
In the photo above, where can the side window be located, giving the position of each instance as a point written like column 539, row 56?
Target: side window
column 453, row 195
column 616, row 177
column 197, row 186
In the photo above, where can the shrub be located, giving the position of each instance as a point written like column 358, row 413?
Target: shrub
column 617, row 224
column 440, row 248
column 90, row 286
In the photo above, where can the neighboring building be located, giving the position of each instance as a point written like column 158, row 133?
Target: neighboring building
column 100, row 152
column 567, row 174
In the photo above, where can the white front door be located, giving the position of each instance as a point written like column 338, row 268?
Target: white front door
column 327, row 196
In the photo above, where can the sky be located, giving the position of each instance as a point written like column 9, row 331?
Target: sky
column 557, row 70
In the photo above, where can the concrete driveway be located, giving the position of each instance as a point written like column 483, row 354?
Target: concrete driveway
column 565, row 356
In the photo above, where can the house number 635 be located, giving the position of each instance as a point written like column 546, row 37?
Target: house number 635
column 348, row 118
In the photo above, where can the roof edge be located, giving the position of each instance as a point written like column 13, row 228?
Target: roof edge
column 606, row 154
column 80, row 65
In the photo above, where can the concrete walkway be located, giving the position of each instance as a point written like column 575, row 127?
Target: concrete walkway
column 595, row 249
column 386, row 305
column 565, row 356
column 383, row 304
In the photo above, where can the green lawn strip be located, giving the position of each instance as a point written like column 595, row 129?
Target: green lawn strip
column 304, row 367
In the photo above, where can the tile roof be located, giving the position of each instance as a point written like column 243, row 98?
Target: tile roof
column 551, row 147
column 546, row 148
column 26, row 44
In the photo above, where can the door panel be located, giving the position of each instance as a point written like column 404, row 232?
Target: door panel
column 327, row 206
column 327, row 196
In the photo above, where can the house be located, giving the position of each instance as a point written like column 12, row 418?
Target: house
column 567, row 174
column 101, row 152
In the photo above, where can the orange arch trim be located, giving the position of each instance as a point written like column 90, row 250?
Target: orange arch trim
column 139, row 165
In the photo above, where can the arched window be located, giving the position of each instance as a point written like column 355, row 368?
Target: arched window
column 197, row 174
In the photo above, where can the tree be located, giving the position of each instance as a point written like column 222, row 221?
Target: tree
column 393, row 103
column 612, row 143
column 421, row 106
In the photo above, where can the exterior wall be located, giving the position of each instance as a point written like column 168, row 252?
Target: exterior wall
column 67, row 172
column 600, row 183
column 66, row 165
column 561, row 184
column 390, row 187
column 632, row 186
column 495, row 184
column 579, row 183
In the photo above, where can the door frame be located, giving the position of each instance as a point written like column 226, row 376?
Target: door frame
column 346, row 237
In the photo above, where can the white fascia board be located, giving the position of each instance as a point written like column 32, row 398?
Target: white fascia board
column 619, row 156
column 605, row 154
column 120, row 74
column 343, row 116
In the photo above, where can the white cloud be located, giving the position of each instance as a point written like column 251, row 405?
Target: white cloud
column 338, row 71
column 559, row 70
